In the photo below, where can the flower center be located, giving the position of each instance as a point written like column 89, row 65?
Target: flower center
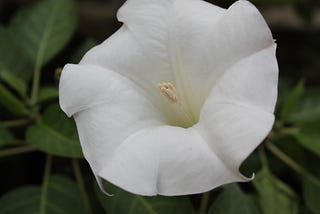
column 168, row 90
column 182, row 113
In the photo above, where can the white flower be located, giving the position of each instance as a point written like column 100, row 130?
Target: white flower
column 177, row 98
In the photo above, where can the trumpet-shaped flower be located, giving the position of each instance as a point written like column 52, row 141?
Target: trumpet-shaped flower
column 177, row 98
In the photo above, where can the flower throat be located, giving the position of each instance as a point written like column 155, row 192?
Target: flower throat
column 186, row 118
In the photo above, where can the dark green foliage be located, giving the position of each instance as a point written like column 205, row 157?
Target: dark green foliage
column 311, row 193
column 309, row 136
column 43, row 29
column 291, row 101
column 308, row 107
column 47, row 94
column 62, row 197
column 305, row 116
column 21, row 200
column 126, row 203
column 16, row 74
column 5, row 136
column 11, row 102
column 56, row 134
column 233, row 201
column 274, row 196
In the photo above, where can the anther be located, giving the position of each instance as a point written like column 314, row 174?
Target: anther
column 168, row 90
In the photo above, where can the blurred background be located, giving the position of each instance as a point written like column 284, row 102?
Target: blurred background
column 295, row 25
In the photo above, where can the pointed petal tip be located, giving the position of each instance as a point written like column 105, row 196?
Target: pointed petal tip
column 253, row 176
column 101, row 186
column 129, row 171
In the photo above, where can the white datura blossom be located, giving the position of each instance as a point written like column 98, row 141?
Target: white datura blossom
column 177, row 98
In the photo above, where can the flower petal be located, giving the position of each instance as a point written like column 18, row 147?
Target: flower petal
column 166, row 160
column 252, row 82
column 239, row 32
column 238, row 114
column 201, row 41
column 83, row 86
column 121, row 53
column 146, row 48
column 119, row 109
column 190, row 43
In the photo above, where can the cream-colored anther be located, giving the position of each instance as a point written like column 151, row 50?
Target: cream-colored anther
column 168, row 90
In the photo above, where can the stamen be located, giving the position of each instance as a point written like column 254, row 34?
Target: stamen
column 168, row 90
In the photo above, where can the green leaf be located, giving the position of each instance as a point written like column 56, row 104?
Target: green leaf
column 12, row 103
column 126, row 203
column 311, row 193
column 14, row 73
column 21, row 200
column 308, row 136
column 308, row 108
column 291, row 101
column 55, row 135
column 233, row 201
column 307, row 119
column 47, row 93
column 274, row 195
column 44, row 28
column 5, row 136
column 62, row 197
column 15, row 82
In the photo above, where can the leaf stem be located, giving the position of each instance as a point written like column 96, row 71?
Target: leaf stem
column 44, row 189
column 15, row 123
column 16, row 151
column 79, row 178
column 291, row 163
column 204, row 203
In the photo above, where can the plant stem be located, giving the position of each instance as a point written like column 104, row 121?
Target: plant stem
column 15, row 123
column 45, row 183
column 291, row 163
column 16, row 151
column 79, row 178
column 204, row 203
